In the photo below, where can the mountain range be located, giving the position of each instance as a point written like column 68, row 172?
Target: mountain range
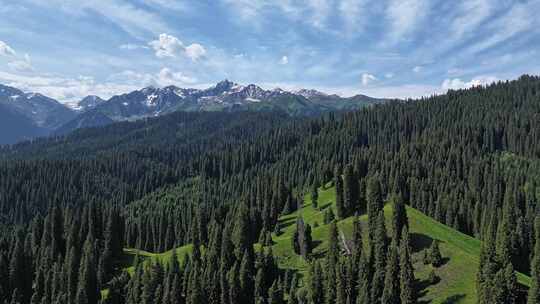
column 28, row 115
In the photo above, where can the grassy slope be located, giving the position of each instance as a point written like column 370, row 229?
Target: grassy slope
column 460, row 252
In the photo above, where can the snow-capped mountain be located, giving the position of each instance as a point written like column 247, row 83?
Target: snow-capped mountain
column 42, row 111
column 50, row 116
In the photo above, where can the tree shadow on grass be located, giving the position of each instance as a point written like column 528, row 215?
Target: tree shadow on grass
column 420, row 241
column 286, row 223
column 421, row 289
column 454, row 299
column 128, row 259
column 324, row 206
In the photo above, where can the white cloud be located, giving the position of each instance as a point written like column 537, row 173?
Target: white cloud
column 417, row 69
column 167, row 46
column 404, row 17
column 284, row 60
column 24, row 65
column 457, row 83
column 130, row 18
column 6, row 50
column 65, row 90
column 389, row 75
column 195, row 51
column 367, row 79
column 473, row 13
column 170, row 46
column 69, row 90
column 132, row 46
column 518, row 19
column 167, row 77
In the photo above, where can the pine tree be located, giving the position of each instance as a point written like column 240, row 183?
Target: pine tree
column 363, row 295
column 435, row 257
column 246, row 277
column 328, row 216
column 17, row 268
column 242, row 232
column 350, row 191
column 374, row 205
column 259, row 289
column 534, row 291
column 399, row 217
column 340, row 204
column 316, row 284
column 406, row 270
column 308, row 242
column 88, row 291
column 391, row 292
column 341, row 285
column 275, row 295
column 378, row 257
column 315, row 196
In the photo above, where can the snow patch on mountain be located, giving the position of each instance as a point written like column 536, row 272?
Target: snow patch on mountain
column 151, row 100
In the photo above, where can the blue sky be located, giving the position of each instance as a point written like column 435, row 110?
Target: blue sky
column 68, row 49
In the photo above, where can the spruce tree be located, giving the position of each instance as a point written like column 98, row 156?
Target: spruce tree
column 246, row 277
column 435, row 257
column 315, row 196
column 399, row 217
column 378, row 258
column 350, row 191
column 341, row 285
column 363, row 294
column 316, row 284
column 406, row 270
column 374, row 205
column 88, row 290
column 534, row 290
column 391, row 292
column 340, row 204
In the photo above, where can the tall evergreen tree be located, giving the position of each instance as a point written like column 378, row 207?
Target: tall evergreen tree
column 350, row 191
column 378, row 258
column 391, row 292
column 374, row 205
column 315, row 195
column 534, row 290
column 406, row 270
column 340, row 203
column 399, row 217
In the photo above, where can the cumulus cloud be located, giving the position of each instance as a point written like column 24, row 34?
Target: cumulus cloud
column 170, row 46
column 167, row 46
column 404, row 17
column 6, row 50
column 417, row 69
column 284, row 60
column 457, row 83
column 367, row 79
column 195, row 51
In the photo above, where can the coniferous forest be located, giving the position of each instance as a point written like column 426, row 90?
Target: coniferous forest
column 263, row 208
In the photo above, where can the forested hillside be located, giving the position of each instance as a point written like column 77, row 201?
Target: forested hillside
column 228, row 184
